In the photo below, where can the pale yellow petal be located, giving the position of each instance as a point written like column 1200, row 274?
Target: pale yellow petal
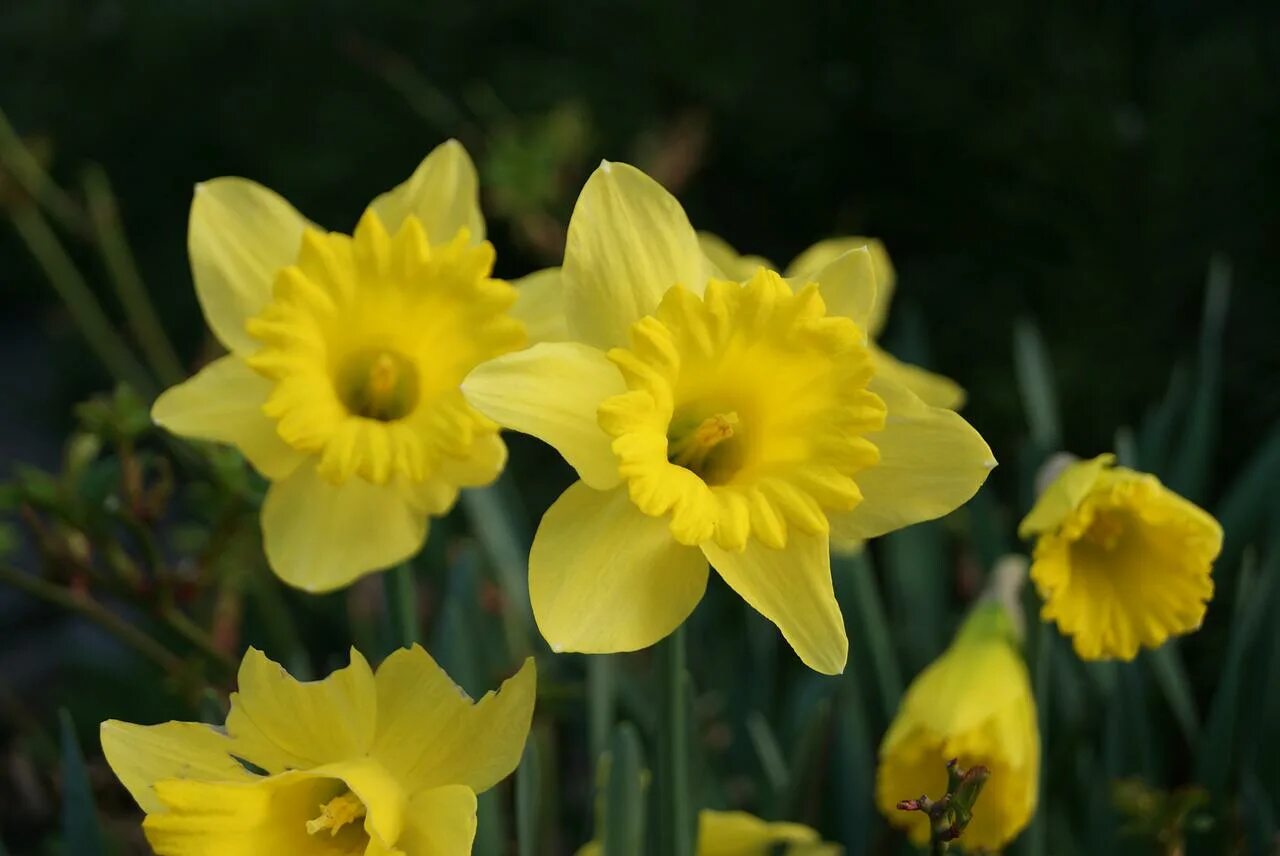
column 629, row 242
column 319, row 536
column 730, row 263
column 540, row 305
column 1063, row 495
column 442, row 822
column 443, row 193
column 931, row 463
column 736, row 833
column 430, row 734
column 240, row 236
column 934, row 390
column 552, row 391
column 141, row 755
column 280, row 723
column 820, row 254
column 792, row 588
column 223, row 403
column 604, row 577
column 847, row 284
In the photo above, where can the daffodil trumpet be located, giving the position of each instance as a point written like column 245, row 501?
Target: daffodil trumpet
column 1121, row 562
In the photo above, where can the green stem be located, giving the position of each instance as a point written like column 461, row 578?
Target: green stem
column 495, row 514
column 675, row 806
column 601, row 703
column 79, row 301
column 25, row 168
column 402, row 601
column 139, row 312
column 87, row 607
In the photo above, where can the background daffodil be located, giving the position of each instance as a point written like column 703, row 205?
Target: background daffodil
column 933, row 389
column 1120, row 560
column 974, row 704
column 346, row 355
column 736, row 833
column 385, row 764
column 741, row 424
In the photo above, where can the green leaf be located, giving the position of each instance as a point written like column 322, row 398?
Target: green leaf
column 858, row 593
column 81, row 832
column 528, row 804
column 1171, row 674
column 624, row 811
column 1036, row 385
column 1189, row 474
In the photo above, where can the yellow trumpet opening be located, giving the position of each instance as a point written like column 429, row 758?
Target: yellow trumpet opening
column 336, row 813
column 704, row 450
column 378, row 384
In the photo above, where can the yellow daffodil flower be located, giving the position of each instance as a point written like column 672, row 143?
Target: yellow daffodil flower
column 736, row 833
column 358, row 764
column 933, row 389
column 974, row 704
column 1120, row 560
column 342, row 385
column 740, row 424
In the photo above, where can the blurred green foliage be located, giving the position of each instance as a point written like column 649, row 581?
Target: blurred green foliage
column 1052, row 182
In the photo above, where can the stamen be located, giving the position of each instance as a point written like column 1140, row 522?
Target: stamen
column 378, row 384
column 337, row 813
column 1105, row 531
column 691, row 450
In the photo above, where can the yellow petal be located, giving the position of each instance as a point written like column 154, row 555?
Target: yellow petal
column 223, row 403
column 540, row 305
column 240, row 236
column 279, row 723
column 604, row 577
column 441, row 822
column 820, row 254
column 430, row 734
column 933, row 389
column 237, row 819
column 552, row 391
column 443, row 193
column 319, row 536
column 735, row 833
column 931, row 463
column 847, row 284
column 733, row 266
column 1061, row 498
column 792, row 588
column 141, row 755
column 629, row 241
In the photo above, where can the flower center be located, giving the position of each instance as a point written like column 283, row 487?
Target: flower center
column 378, row 384
column 746, row 412
column 336, row 813
column 1106, row 531
column 366, row 341
column 705, row 449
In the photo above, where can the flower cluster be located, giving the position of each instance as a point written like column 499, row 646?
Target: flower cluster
column 720, row 415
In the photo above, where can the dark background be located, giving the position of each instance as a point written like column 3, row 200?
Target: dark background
column 1076, row 163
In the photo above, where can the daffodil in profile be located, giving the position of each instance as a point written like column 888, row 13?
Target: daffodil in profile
column 736, row 833
column 358, row 764
column 346, row 354
column 974, row 704
column 1121, row 561
column 933, row 389
column 740, row 425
